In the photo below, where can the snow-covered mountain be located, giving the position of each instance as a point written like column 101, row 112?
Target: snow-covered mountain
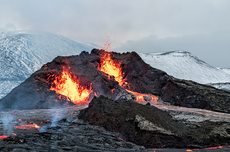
column 184, row 65
column 223, row 86
column 227, row 70
column 24, row 52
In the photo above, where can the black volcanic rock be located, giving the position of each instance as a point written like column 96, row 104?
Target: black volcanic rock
column 66, row 133
column 151, row 127
column 139, row 77
column 193, row 95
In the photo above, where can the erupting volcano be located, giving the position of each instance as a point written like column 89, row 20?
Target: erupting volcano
column 68, row 84
column 77, row 79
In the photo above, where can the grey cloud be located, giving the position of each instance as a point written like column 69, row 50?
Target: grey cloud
column 123, row 21
column 2, row 30
column 8, row 27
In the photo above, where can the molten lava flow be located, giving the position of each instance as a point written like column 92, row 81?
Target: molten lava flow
column 219, row 147
column 14, row 134
column 140, row 97
column 70, row 88
column 121, row 139
column 33, row 126
column 3, row 137
column 110, row 67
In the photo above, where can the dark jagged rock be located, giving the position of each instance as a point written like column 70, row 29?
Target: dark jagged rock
column 146, row 98
column 151, row 127
column 68, row 134
column 139, row 77
column 193, row 95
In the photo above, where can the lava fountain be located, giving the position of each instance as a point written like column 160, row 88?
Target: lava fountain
column 110, row 67
column 66, row 85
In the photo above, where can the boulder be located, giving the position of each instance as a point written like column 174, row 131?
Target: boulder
column 151, row 127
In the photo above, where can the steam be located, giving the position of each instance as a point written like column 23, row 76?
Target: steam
column 43, row 129
column 56, row 116
column 7, row 124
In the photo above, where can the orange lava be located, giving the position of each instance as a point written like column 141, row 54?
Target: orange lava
column 65, row 85
column 110, row 67
column 140, row 96
column 14, row 134
column 3, row 137
column 121, row 139
column 219, row 147
column 107, row 45
column 33, row 126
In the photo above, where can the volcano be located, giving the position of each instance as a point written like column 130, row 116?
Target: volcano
column 130, row 74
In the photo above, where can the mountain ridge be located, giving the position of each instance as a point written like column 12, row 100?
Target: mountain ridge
column 185, row 65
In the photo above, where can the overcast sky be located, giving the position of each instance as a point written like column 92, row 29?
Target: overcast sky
column 201, row 27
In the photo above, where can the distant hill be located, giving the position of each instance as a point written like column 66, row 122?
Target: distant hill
column 226, row 70
column 184, row 65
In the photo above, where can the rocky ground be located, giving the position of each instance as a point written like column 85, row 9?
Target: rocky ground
column 63, row 131
column 151, row 127
column 66, row 133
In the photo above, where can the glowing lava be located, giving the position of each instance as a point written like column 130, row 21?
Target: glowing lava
column 3, row 137
column 219, row 147
column 33, row 126
column 140, row 97
column 110, row 67
column 65, row 85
